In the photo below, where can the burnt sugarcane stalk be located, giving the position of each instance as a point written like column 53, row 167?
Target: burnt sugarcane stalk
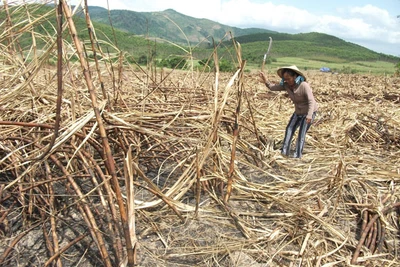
column 11, row 246
column 198, row 185
column 113, row 224
column 379, row 236
column 252, row 119
column 58, row 254
column 53, row 212
column 109, row 160
column 235, row 137
column 86, row 213
column 59, row 81
column 369, row 238
column 374, row 236
column 369, row 228
column 93, row 40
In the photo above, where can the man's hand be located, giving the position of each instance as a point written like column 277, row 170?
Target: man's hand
column 262, row 76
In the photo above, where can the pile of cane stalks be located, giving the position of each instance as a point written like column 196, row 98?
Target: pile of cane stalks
column 107, row 163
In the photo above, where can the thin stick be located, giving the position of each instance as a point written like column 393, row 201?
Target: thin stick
column 266, row 54
column 198, row 185
column 56, row 255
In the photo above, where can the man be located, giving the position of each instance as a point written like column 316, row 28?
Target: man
column 305, row 107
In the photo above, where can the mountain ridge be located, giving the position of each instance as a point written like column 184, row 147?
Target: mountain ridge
column 164, row 25
column 172, row 26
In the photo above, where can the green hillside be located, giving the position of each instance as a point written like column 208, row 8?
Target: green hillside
column 200, row 33
column 168, row 25
column 43, row 25
column 314, row 46
column 167, row 34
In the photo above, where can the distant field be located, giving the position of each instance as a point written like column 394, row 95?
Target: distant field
column 376, row 67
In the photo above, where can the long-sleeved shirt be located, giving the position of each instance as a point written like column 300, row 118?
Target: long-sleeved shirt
column 302, row 97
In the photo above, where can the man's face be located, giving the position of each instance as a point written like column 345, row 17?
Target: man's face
column 288, row 79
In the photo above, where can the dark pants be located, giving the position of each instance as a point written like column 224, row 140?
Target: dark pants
column 294, row 123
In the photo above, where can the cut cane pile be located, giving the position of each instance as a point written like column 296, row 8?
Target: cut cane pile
column 105, row 163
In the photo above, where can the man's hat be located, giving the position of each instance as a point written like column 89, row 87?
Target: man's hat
column 293, row 68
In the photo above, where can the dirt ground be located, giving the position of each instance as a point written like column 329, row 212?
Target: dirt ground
column 178, row 138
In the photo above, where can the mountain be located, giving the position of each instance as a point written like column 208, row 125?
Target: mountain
column 311, row 46
column 181, row 29
column 170, row 34
column 168, row 25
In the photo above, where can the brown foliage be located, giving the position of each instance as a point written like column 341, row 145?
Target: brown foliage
column 197, row 163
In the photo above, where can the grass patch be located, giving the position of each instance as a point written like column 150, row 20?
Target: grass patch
column 362, row 67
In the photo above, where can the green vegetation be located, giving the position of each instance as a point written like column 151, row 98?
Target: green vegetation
column 173, row 62
column 373, row 67
column 316, row 48
column 166, row 42
column 313, row 46
column 397, row 71
column 223, row 65
column 169, row 25
column 110, row 40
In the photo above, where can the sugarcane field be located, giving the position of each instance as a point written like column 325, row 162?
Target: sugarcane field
column 104, row 162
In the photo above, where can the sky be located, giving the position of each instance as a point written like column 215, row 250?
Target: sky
column 372, row 24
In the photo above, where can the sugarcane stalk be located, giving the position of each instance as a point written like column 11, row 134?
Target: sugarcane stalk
column 65, row 248
column 130, row 174
column 378, row 236
column 14, row 242
column 53, row 222
column 235, row 137
column 374, row 236
column 110, row 164
column 266, row 54
column 113, row 224
column 198, row 185
column 86, row 213
column 367, row 230
column 59, row 81
column 93, row 40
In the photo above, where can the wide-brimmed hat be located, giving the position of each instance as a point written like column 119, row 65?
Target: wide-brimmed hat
column 293, row 68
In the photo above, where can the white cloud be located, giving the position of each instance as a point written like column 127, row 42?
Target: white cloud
column 366, row 24
column 112, row 4
column 363, row 24
column 373, row 14
column 349, row 28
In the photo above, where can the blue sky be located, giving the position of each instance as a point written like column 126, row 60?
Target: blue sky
column 372, row 24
